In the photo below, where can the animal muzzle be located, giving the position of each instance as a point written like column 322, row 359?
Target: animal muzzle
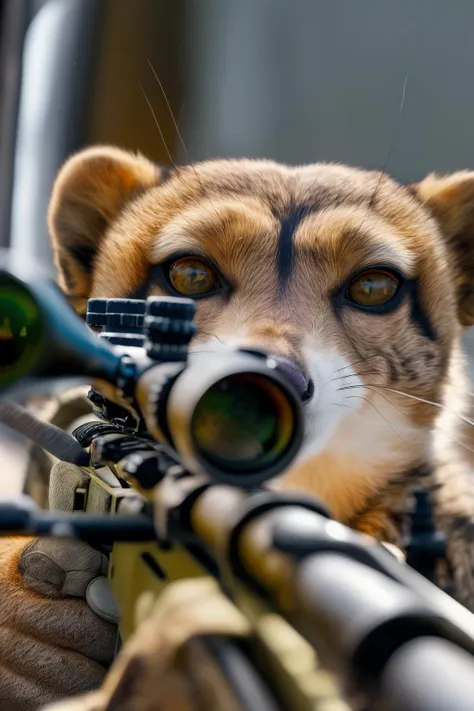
column 291, row 370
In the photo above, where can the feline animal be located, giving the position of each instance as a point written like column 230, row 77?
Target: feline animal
column 358, row 286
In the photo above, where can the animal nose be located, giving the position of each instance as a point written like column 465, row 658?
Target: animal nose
column 292, row 372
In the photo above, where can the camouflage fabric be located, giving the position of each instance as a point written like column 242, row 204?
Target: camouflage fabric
column 65, row 410
column 55, row 639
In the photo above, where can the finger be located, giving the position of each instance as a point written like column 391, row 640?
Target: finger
column 20, row 694
column 60, row 567
column 66, row 623
column 50, row 668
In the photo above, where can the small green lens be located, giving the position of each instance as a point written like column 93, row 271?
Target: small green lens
column 243, row 424
column 20, row 331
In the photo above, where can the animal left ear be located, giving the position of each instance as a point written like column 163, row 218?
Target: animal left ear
column 450, row 199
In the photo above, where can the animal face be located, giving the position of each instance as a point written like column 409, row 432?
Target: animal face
column 358, row 286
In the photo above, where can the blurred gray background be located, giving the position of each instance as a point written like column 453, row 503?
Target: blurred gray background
column 294, row 80
column 305, row 80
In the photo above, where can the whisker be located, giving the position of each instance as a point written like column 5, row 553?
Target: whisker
column 356, row 362
column 349, row 365
column 354, row 375
column 394, row 140
column 383, row 172
column 179, row 134
column 208, row 334
column 220, row 340
column 168, row 152
column 428, row 402
column 340, row 404
column 180, row 112
column 469, row 449
column 175, row 123
column 371, row 388
column 359, row 397
column 439, row 405
column 352, row 387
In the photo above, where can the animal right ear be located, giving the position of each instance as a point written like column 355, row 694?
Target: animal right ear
column 450, row 199
column 90, row 190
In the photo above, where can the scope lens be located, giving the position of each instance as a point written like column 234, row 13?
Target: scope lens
column 243, row 423
column 20, row 330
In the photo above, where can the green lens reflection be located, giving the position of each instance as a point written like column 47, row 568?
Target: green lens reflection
column 20, row 331
column 243, row 423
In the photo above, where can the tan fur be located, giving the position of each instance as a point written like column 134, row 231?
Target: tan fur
column 113, row 215
column 48, row 648
column 85, row 207
column 230, row 212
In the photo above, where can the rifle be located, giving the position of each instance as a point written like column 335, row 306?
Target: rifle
column 179, row 460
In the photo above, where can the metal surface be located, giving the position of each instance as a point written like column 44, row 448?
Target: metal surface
column 14, row 17
column 58, row 56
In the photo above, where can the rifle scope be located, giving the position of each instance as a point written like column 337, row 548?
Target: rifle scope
column 41, row 336
column 229, row 415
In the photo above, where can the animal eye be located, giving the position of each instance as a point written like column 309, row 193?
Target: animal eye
column 373, row 288
column 192, row 277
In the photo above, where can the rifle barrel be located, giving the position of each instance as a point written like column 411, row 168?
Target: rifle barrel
column 357, row 606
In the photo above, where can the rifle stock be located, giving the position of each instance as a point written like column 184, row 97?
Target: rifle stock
column 286, row 566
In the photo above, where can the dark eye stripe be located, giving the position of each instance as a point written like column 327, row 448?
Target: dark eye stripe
column 285, row 249
column 408, row 289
